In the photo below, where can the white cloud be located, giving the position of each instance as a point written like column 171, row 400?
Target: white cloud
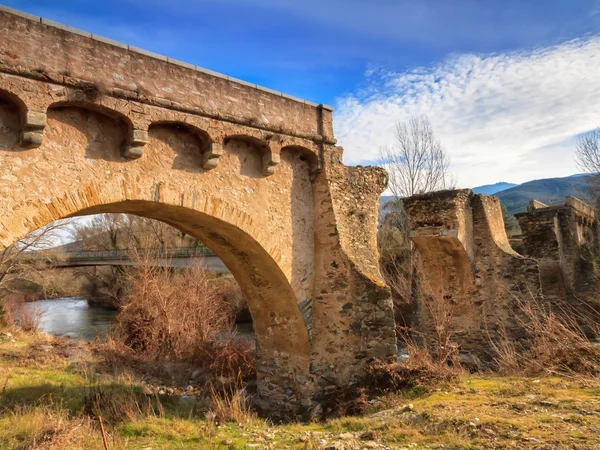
column 502, row 117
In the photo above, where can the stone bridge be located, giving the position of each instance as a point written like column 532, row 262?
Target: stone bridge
column 89, row 125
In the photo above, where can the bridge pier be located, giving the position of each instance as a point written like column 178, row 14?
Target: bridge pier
column 352, row 306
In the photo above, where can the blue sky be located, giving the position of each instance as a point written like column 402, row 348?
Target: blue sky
column 506, row 83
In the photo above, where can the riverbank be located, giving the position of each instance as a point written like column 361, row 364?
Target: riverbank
column 50, row 388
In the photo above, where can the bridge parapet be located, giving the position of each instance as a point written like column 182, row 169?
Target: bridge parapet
column 44, row 50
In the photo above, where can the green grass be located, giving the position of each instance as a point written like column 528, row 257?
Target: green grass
column 43, row 396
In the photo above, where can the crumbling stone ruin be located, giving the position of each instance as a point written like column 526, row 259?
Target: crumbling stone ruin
column 472, row 282
column 563, row 240
column 468, row 272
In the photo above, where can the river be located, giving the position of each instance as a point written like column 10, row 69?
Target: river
column 73, row 317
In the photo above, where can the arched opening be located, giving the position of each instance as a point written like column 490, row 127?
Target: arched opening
column 127, row 263
column 96, row 130
column 307, row 155
column 12, row 112
column 254, row 153
column 283, row 348
column 271, row 299
column 178, row 144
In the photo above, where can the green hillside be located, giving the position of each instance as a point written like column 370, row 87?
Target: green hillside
column 551, row 191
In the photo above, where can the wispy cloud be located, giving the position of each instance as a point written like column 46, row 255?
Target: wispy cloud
column 506, row 116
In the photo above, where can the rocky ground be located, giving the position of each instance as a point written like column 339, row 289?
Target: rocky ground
column 46, row 385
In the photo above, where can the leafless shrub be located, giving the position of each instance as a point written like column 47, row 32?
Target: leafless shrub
column 554, row 343
column 23, row 262
column 558, row 344
column 228, row 357
column 180, row 316
column 507, row 359
column 433, row 346
column 440, row 357
column 382, row 377
column 393, row 377
column 166, row 313
column 232, row 294
column 28, row 319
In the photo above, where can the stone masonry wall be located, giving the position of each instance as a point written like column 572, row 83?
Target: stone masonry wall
column 42, row 49
column 352, row 306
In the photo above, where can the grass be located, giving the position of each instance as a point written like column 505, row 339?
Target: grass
column 45, row 393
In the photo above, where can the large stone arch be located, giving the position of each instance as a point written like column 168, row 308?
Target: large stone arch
column 282, row 338
column 55, row 181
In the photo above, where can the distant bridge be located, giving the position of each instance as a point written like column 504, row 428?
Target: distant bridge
column 170, row 257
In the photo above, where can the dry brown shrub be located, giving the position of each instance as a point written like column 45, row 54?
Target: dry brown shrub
column 168, row 314
column 554, row 343
column 434, row 351
column 384, row 377
column 28, row 319
column 228, row 358
column 233, row 296
column 15, row 314
column 507, row 359
column 180, row 316
column 558, row 343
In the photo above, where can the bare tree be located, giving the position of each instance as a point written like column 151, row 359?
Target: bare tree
column 23, row 261
column 15, row 261
column 416, row 162
column 105, row 286
column 587, row 152
column 124, row 231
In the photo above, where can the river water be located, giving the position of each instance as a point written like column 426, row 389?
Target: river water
column 73, row 317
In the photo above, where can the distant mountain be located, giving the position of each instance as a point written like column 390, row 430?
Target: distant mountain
column 515, row 197
column 551, row 191
column 491, row 189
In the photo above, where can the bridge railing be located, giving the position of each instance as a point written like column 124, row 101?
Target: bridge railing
column 122, row 254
